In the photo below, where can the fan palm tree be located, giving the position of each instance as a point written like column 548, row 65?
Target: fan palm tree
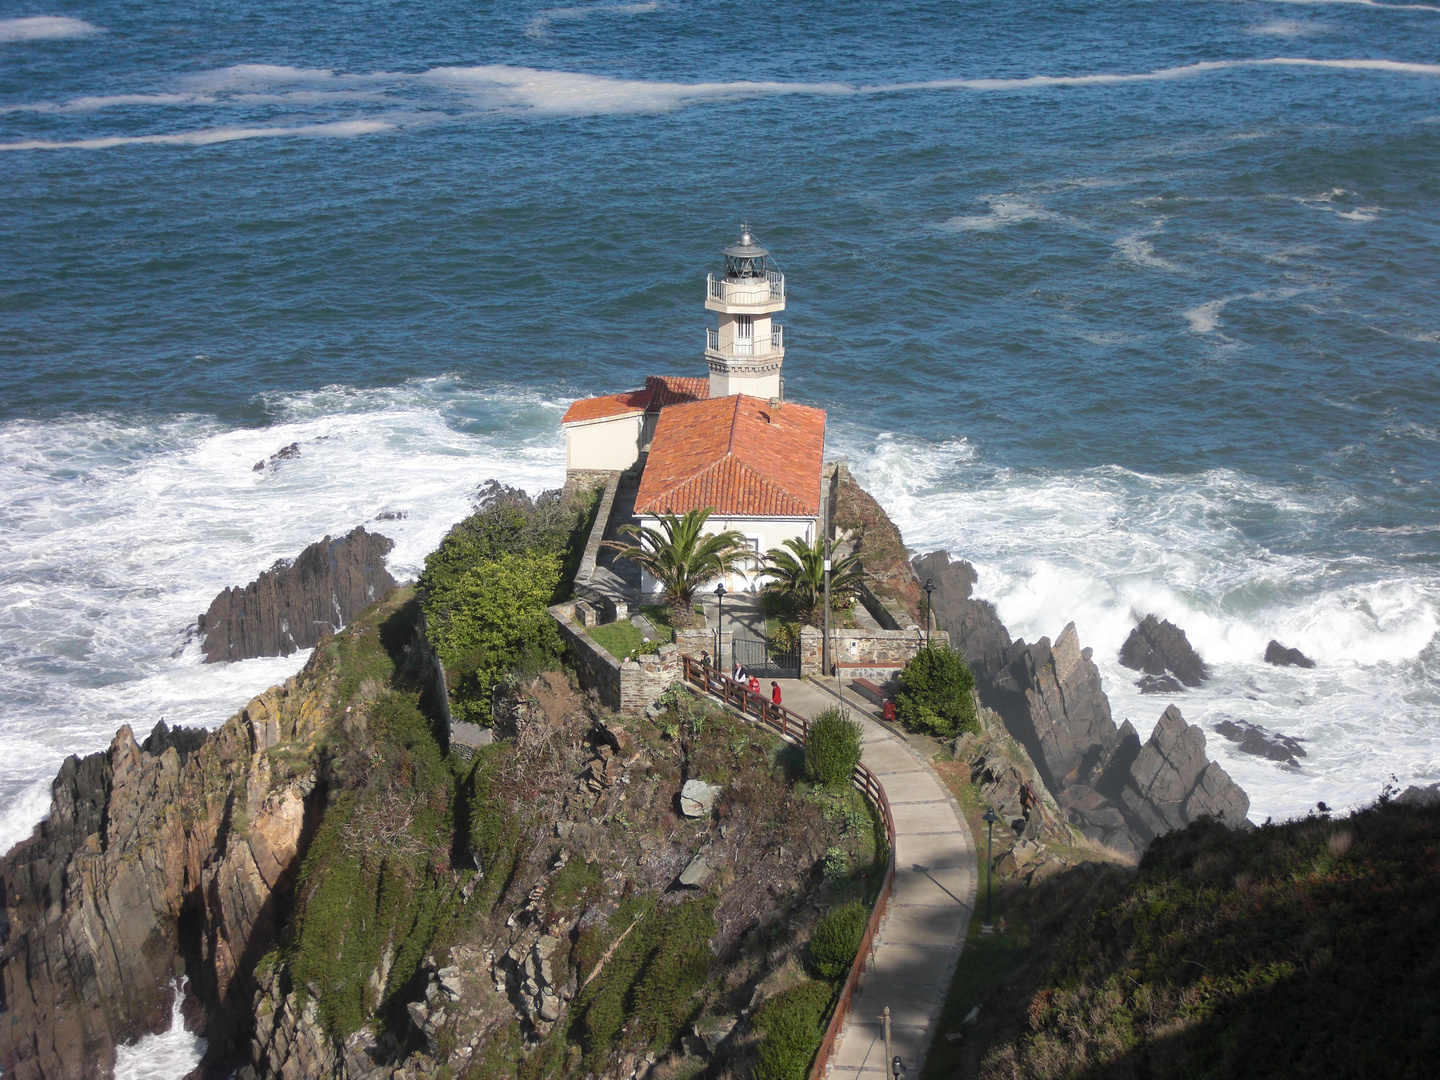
column 799, row 575
column 681, row 559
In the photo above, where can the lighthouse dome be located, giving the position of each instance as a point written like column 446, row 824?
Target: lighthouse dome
column 745, row 259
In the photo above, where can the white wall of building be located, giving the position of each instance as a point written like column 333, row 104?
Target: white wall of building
column 611, row 443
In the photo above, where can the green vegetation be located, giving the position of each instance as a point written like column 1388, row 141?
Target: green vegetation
column 485, row 589
column 791, row 1026
column 937, row 694
column 377, row 875
column 649, row 986
column 798, row 570
column 660, row 617
column 681, row 557
column 837, row 939
column 619, row 639
column 832, row 747
column 1303, row 950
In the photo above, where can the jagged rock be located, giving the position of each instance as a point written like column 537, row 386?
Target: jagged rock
column 136, row 836
column 713, row 1031
column 695, row 873
column 549, row 1007
column 1414, row 795
column 1156, row 647
column 697, row 798
column 1217, row 796
column 975, row 629
column 1254, row 739
column 292, row 605
column 285, row 453
column 1159, row 684
column 1280, row 656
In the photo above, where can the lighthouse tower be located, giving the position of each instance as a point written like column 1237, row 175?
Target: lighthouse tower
column 746, row 351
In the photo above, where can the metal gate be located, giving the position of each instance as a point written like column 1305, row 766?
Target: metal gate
column 763, row 660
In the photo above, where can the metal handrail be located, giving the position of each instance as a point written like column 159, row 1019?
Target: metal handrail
column 792, row 728
column 746, row 292
column 758, row 347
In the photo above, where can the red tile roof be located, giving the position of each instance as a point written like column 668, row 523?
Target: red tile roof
column 677, row 389
column 600, row 408
column 739, row 454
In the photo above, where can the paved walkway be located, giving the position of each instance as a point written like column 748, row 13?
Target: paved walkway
column 934, row 896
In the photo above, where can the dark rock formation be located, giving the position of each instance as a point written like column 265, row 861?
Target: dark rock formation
column 1414, row 795
column 1112, row 788
column 976, row 631
column 1280, row 656
column 1159, row 684
column 1156, row 647
column 156, row 861
column 285, row 453
column 1254, row 739
column 293, row 604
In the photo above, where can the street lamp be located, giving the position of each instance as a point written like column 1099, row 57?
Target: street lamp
column 990, row 818
column 720, row 627
column 896, row 1067
column 929, row 588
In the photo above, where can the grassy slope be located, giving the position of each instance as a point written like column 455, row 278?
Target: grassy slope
column 1305, row 949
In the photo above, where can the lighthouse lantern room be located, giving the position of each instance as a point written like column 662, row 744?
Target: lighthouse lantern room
column 746, row 351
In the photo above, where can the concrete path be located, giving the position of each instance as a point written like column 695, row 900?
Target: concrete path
column 936, row 876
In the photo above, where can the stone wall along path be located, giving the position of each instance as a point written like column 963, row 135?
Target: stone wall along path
column 936, row 877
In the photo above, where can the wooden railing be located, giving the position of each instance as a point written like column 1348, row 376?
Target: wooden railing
column 792, row 728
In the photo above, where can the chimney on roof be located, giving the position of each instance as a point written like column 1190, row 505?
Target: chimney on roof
column 774, row 403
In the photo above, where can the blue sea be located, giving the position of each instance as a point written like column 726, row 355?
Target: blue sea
column 1133, row 304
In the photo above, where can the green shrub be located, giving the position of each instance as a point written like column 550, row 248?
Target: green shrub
column 837, row 939
column 490, row 619
column 791, row 1025
column 784, row 636
column 937, row 694
column 832, row 747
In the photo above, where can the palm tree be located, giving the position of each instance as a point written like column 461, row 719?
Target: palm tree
column 800, row 577
column 681, row 559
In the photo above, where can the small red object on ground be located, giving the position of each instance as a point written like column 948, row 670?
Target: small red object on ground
column 888, row 712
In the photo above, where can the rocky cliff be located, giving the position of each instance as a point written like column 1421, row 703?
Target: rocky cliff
column 1115, row 790
column 293, row 604
column 158, row 859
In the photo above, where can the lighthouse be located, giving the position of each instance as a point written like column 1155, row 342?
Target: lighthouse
column 746, row 350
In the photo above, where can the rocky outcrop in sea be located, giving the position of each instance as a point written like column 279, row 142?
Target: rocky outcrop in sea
column 1161, row 650
column 1114, row 788
column 293, row 604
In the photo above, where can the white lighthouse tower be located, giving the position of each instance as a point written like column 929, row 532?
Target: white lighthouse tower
column 746, row 351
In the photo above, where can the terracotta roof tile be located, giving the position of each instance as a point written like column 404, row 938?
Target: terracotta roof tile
column 599, row 408
column 677, row 389
column 739, row 454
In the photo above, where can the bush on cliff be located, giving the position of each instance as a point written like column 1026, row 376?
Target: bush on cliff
column 832, row 747
column 485, row 589
column 1307, row 949
column 937, row 694
column 837, row 938
column 791, row 1026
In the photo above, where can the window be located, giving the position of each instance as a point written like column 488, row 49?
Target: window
column 745, row 334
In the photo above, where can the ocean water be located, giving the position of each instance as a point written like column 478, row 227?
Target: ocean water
column 1130, row 303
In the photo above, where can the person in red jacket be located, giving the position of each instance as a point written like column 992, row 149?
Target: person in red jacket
column 774, row 692
column 753, row 685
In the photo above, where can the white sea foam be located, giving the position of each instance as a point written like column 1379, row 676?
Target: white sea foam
column 563, row 93
column 114, row 536
column 1289, row 28
column 338, row 129
column 1206, row 317
column 1364, row 3
column 504, row 88
column 1004, row 210
column 1339, row 201
column 537, row 27
column 45, row 28
column 1104, row 546
column 1138, row 250
column 173, row 1053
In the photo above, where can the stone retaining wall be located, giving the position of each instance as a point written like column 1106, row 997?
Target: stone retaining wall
column 863, row 649
column 625, row 686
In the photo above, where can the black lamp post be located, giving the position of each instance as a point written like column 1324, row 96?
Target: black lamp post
column 720, row 628
column 990, row 818
column 929, row 588
column 896, row 1067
